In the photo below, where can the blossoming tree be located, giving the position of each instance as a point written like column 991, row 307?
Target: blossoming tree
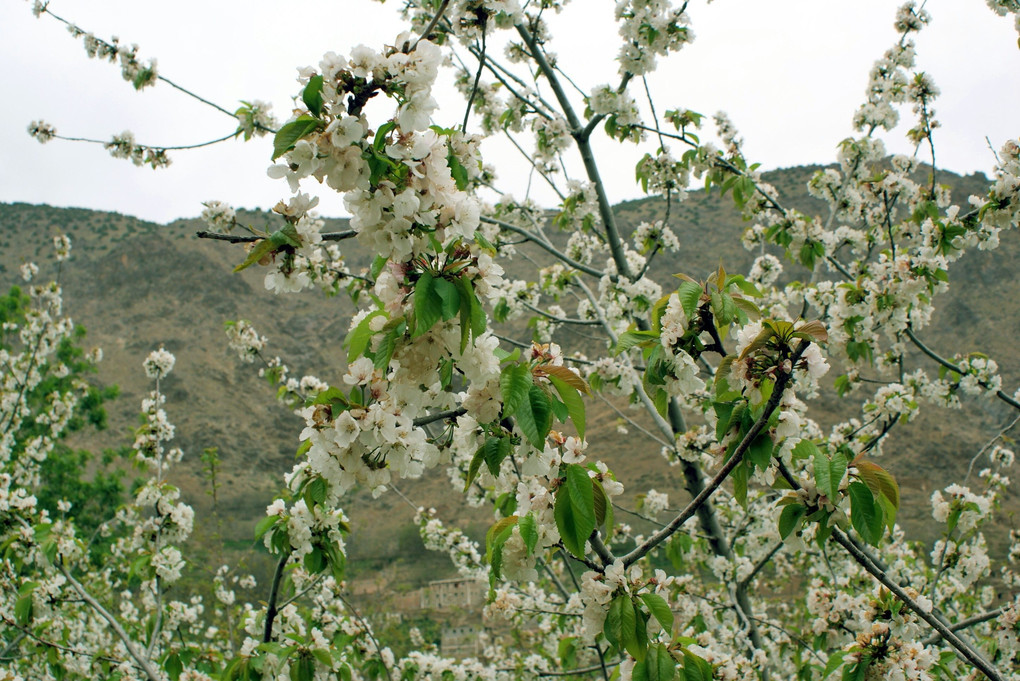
column 719, row 372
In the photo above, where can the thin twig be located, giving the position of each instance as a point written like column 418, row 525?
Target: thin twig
column 474, row 88
column 988, row 444
column 545, row 245
column 304, row 591
column 198, row 145
column 24, row 631
column 432, row 24
column 368, row 630
column 649, row 434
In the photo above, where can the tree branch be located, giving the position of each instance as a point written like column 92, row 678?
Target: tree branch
column 738, row 456
column 114, row 624
column 587, row 156
column 439, row 416
column 968, row 652
column 274, row 594
column 964, row 624
column 949, row 365
column 600, row 548
column 246, row 239
column 544, row 245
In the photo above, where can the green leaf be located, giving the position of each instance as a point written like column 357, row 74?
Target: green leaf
column 388, row 345
column 629, row 339
column 567, row 376
column 494, row 451
column 304, row 668
column 695, row 668
column 141, row 564
column 879, row 480
column 472, row 317
column 661, row 401
column 865, row 515
column 332, row 396
column 514, row 383
column 857, row 671
column 474, row 466
column 173, row 666
column 612, row 629
column 312, row 95
column 744, row 285
column 813, row 331
column 739, row 476
column 495, row 538
column 142, row 78
column 749, row 309
column 622, row 624
column 23, row 609
column 264, row 525
column 657, row 605
column 805, row 449
column 378, row 165
column 289, row 134
column 888, row 510
column 689, row 294
column 829, row 473
column 760, row 451
column 358, row 338
column 723, row 391
column 790, row 518
column 572, row 399
column 658, row 665
column 723, row 308
column 559, row 410
column 528, row 528
column 723, row 412
column 428, row 306
column 582, row 494
column 261, row 249
column 602, row 505
column 449, row 296
column 377, row 266
column 632, row 629
column 457, row 171
column 534, row 416
column 759, row 341
column 381, row 134
column 575, row 509
column 315, row 561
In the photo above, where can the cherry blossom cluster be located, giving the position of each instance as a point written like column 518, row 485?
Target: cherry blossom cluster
column 219, row 216
column 42, row 131
column 124, row 146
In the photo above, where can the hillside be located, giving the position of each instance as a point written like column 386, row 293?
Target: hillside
column 137, row 285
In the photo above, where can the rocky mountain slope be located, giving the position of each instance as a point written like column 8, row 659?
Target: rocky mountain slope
column 136, row 285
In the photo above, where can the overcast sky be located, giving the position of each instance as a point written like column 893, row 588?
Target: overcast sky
column 789, row 73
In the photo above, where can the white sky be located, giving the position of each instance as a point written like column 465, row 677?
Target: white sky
column 790, row 73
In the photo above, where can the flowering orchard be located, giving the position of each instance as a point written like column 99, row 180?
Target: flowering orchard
column 719, row 372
